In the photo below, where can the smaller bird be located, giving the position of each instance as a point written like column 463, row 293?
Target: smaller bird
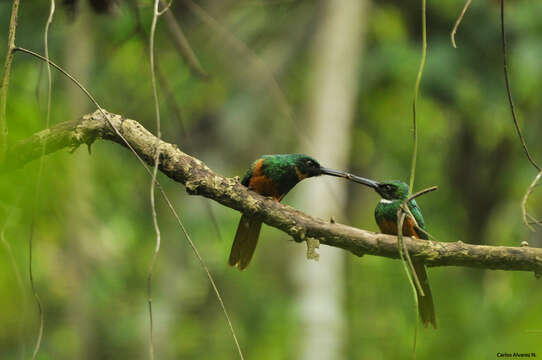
column 393, row 194
column 273, row 176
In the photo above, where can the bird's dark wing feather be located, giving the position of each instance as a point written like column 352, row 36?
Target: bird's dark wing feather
column 246, row 179
column 414, row 208
column 426, row 307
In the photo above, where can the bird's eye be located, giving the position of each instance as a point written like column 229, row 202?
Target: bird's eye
column 310, row 163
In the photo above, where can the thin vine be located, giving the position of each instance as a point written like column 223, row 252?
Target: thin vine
column 38, row 182
column 526, row 215
column 5, row 79
column 413, row 277
column 158, row 185
column 458, row 22
column 155, row 16
column 509, row 93
column 415, row 99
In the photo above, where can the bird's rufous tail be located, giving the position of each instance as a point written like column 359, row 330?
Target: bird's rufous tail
column 244, row 244
column 426, row 308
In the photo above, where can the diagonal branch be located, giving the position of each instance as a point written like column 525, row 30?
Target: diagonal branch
column 200, row 180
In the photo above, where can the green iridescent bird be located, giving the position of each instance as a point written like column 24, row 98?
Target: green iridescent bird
column 273, row 176
column 393, row 194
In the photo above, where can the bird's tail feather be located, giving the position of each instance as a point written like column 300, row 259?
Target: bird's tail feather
column 244, row 244
column 426, row 308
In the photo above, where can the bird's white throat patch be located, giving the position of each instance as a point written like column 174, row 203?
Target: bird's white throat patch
column 386, row 201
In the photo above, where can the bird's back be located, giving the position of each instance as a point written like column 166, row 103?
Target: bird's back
column 271, row 175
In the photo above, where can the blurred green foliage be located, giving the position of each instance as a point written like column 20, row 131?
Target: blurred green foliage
column 93, row 228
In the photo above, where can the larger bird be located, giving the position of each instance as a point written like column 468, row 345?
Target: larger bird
column 393, row 194
column 273, row 176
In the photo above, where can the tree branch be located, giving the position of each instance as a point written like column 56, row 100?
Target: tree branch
column 200, row 180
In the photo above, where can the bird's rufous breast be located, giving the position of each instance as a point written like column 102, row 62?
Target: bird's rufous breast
column 388, row 226
column 263, row 184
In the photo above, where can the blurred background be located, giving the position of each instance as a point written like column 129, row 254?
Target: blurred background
column 333, row 79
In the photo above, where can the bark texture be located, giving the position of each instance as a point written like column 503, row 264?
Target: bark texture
column 200, row 180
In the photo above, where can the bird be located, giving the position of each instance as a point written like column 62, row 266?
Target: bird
column 393, row 194
column 272, row 176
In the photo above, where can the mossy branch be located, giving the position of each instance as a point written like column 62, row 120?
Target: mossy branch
column 200, row 180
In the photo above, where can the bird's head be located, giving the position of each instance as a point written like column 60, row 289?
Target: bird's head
column 392, row 190
column 389, row 190
column 306, row 166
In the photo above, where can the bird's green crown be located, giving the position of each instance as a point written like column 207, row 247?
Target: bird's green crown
column 286, row 165
column 392, row 190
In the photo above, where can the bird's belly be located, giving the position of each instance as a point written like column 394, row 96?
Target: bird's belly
column 389, row 226
column 265, row 186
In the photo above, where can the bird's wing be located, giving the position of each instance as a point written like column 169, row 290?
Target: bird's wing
column 253, row 167
column 414, row 208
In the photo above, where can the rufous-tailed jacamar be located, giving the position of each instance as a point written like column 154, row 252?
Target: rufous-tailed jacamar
column 273, row 176
column 393, row 194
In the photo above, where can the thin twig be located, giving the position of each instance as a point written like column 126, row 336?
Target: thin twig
column 414, row 100
column 414, row 278
column 256, row 66
column 46, row 46
column 409, row 213
column 242, row 48
column 405, row 256
column 211, row 280
column 166, row 8
column 459, row 19
column 402, row 212
column 422, row 192
column 183, row 46
column 209, row 209
column 5, row 78
column 39, row 176
column 516, row 124
column 509, row 93
column 411, row 275
column 155, row 16
column 159, row 186
column 524, row 204
column 171, row 205
column 170, row 98
column 87, row 93
column 154, row 255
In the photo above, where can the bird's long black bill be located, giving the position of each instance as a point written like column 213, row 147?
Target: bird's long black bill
column 364, row 181
column 333, row 172
column 343, row 174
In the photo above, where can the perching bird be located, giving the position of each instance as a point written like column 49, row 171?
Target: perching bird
column 393, row 194
column 273, row 176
